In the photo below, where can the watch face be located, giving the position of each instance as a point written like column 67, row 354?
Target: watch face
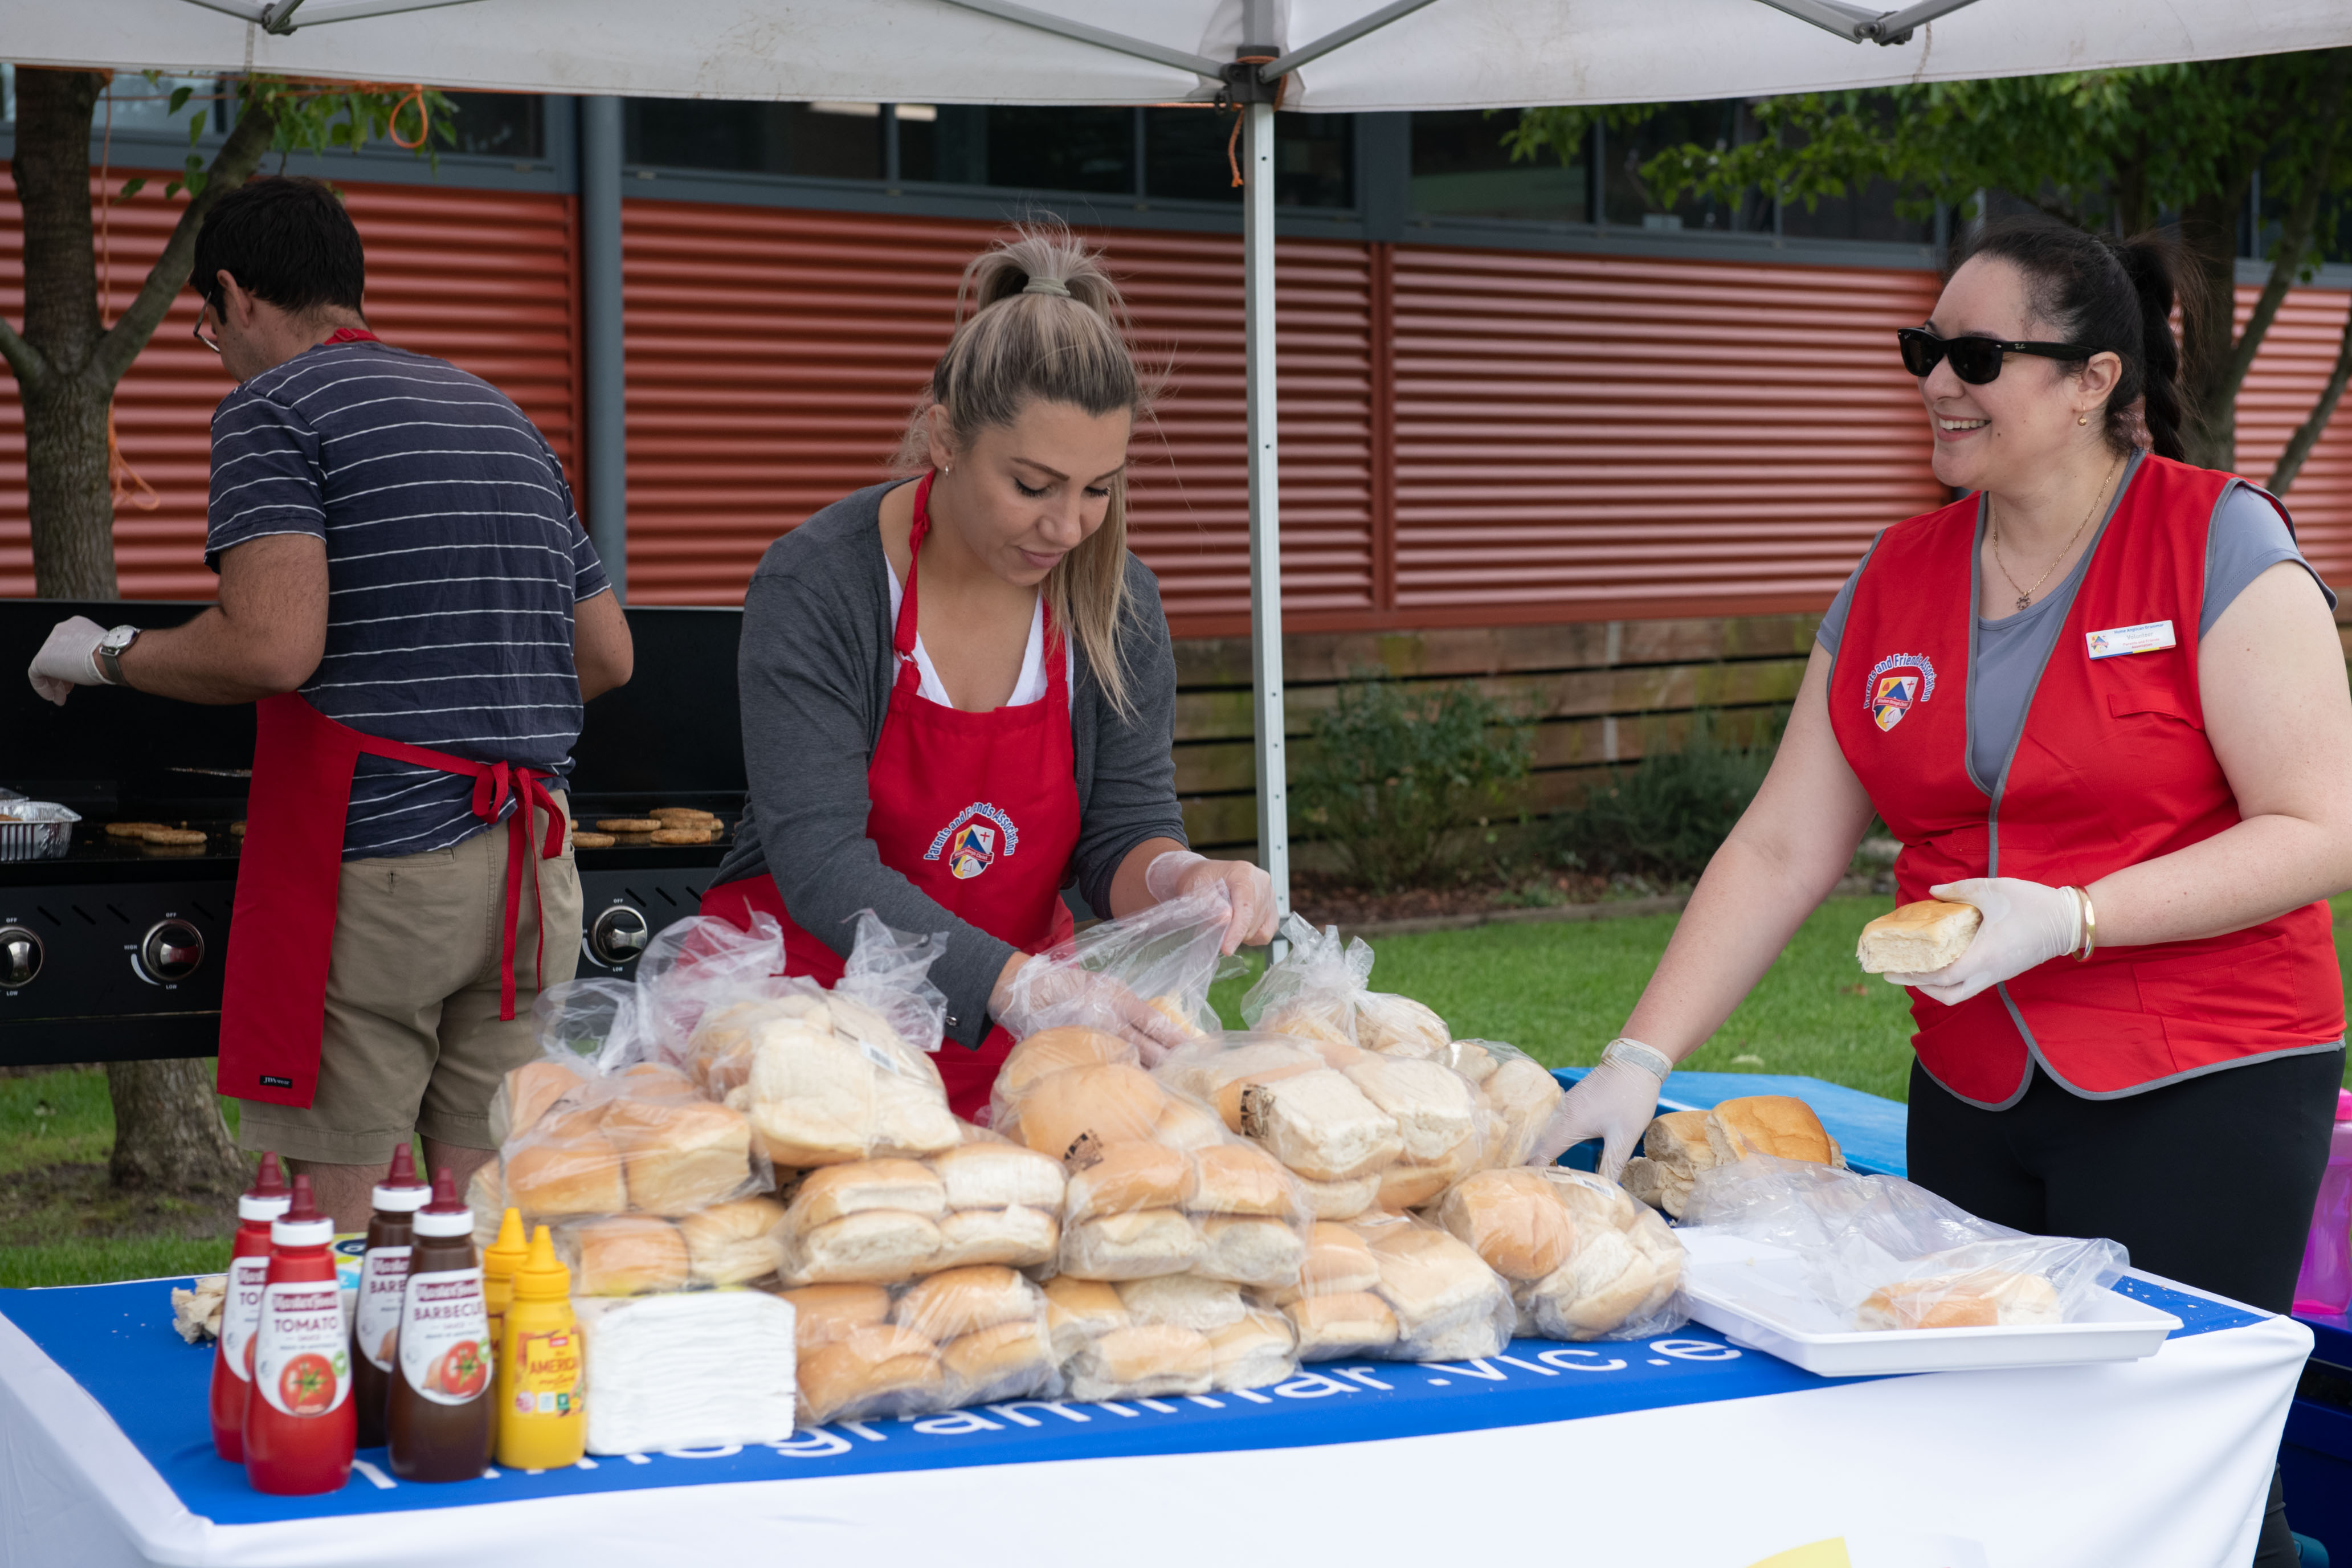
column 118, row 639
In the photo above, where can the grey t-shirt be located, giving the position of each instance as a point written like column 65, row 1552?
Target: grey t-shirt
column 2248, row 537
column 816, row 668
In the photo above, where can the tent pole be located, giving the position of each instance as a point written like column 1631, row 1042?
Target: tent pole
column 1265, row 508
column 603, row 381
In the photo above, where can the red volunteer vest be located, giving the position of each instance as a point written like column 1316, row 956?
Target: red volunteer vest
column 2113, row 768
column 979, row 811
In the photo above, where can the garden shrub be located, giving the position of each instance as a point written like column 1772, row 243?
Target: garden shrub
column 1667, row 818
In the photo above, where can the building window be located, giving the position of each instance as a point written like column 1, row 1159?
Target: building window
column 1629, row 198
column 831, row 140
column 1460, row 170
column 497, row 125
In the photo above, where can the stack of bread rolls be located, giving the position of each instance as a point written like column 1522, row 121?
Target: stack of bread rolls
column 1678, row 1146
column 1173, row 1334
column 887, row 1221
column 961, row 1336
column 1394, row 1287
column 824, row 1079
column 1582, row 1258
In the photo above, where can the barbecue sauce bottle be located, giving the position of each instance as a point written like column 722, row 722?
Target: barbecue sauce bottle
column 440, row 1414
column 298, row 1423
column 383, row 1277
column 248, row 1271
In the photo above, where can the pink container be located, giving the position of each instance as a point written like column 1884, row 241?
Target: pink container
column 2324, row 1289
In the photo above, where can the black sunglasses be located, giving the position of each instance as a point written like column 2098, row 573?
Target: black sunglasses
column 1974, row 360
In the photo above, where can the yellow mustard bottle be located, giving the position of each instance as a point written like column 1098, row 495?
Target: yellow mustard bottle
column 500, row 1261
column 542, row 1422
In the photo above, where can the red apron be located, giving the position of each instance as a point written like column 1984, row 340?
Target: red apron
column 979, row 811
column 2113, row 768
column 282, row 930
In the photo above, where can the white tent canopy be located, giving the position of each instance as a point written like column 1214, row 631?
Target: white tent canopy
column 1339, row 54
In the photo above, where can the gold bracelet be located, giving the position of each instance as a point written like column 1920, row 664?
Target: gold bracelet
column 2089, row 925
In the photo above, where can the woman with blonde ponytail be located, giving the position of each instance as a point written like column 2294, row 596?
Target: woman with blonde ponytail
column 958, row 689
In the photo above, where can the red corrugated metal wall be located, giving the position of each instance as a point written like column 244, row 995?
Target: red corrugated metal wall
column 774, row 355
column 2297, row 354
column 485, row 278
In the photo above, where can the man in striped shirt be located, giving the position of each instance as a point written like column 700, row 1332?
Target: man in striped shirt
column 396, row 541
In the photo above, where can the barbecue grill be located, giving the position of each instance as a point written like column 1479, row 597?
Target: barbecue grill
column 113, row 951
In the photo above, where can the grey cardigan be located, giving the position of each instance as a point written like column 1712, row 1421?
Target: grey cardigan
column 816, row 670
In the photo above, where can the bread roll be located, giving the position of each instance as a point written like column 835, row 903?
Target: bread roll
column 1339, row 1200
column 531, row 1089
column 871, row 1372
column 912, row 1115
column 1249, row 1250
column 1429, row 1104
column 1678, row 1141
column 680, row 1155
column 567, row 1166
column 1983, row 1298
column 873, row 1247
column 999, row 1176
column 1774, row 1124
column 1604, row 1279
column 810, row 1094
column 1319, row 1025
column 1338, row 1263
column 1081, row 1309
column 1917, row 937
column 1019, row 1236
column 1427, row 1275
column 1254, row 1353
column 1092, row 1107
column 1320, row 1125
column 1399, row 1026
column 837, row 1190
column 1143, row 1362
column 827, row 1314
column 1187, row 1127
column 1237, row 1179
column 486, row 1194
column 1183, row 1301
column 1408, row 1184
column 734, row 1243
column 1228, row 1094
column 1127, row 1177
column 1653, row 1185
column 628, row 1255
column 1134, row 1245
column 960, row 1301
column 655, row 1080
column 1511, row 1219
column 1523, row 1094
column 1010, row 1361
column 1470, row 1059
column 1349, row 1324
column 1049, row 1051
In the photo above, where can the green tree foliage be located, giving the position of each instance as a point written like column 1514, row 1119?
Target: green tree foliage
column 1401, row 778
column 1667, row 816
column 2118, row 150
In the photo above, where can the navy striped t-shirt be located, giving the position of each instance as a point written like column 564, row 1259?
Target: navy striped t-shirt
column 454, row 560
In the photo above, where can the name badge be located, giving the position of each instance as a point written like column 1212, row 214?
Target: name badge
column 2146, row 638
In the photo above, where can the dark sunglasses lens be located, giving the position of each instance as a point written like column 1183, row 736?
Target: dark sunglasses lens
column 1975, row 360
column 1920, row 351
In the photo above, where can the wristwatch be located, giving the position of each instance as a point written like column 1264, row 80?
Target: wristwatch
column 109, row 653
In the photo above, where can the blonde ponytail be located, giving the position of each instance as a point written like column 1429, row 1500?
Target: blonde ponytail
column 1046, row 323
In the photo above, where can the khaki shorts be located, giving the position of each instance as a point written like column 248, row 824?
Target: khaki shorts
column 414, row 1042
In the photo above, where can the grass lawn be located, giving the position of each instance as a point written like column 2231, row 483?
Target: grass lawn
column 1559, row 992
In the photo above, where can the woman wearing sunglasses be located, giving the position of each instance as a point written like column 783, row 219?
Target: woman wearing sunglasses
column 2101, row 698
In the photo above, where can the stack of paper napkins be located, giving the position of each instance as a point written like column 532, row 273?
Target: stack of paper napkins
column 693, row 1370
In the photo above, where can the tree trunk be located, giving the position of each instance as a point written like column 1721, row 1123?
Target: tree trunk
column 169, row 1136
column 2307, row 434
column 69, row 490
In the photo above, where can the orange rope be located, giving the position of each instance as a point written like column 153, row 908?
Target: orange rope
column 1233, row 137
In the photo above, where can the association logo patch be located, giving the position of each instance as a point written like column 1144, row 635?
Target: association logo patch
column 969, row 842
column 1898, row 683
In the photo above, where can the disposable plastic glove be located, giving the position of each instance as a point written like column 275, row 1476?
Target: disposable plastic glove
column 70, row 659
column 1613, row 1102
column 2025, row 924
column 1043, row 993
column 1177, row 872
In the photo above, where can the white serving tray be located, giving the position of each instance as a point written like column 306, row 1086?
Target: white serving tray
column 1752, row 1294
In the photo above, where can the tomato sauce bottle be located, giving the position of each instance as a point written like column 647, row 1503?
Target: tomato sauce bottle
column 543, row 1425
column 383, row 1277
column 299, row 1425
column 441, row 1410
column 248, row 1271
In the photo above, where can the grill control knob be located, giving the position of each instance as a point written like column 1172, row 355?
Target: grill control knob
column 20, row 957
column 618, row 935
column 171, row 951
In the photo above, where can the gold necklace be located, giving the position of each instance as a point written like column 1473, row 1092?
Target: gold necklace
column 1992, row 522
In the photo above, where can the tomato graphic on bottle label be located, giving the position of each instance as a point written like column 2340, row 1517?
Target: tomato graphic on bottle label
column 302, row 1362
column 445, row 1330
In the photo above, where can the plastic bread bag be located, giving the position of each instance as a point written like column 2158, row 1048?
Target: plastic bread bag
column 1142, row 977
column 1518, row 1090
column 1002, row 1204
column 1167, row 1335
column 960, row 1336
column 1584, row 1261
column 690, row 966
column 1878, row 1252
column 1678, row 1145
column 1393, row 1287
column 1313, row 992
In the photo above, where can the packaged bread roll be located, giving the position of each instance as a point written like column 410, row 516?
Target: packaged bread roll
column 1621, row 1274
column 1023, row 1237
column 1395, row 1026
column 565, row 1164
column 1354, row 1324
column 1340, row 1200
column 871, row 1372
column 1257, row 1352
column 1078, row 1310
column 827, row 1089
column 1979, row 1298
column 1522, row 1093
column 992, row 1175
column 680, row 1152
column 823, row 1314
column 875, row 1222
column 527, row 1092
column 1073, row 1110
column 732, row 1243
column 1184, row 1301
column 1432, row 1105
column 1050, row 1051
column 960, row 1301
column 1009, row 1361
column 1449, row 1305
column 1338, row 1262
column 625, row 1254
column 1141, row 1362
column 1513, row 1220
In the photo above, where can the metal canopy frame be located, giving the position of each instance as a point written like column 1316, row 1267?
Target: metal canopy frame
column 1857, row 25
column 278, row 16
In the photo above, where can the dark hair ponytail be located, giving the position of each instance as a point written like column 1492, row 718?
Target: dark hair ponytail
column 2116, row 295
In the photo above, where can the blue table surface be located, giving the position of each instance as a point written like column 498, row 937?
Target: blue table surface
column 1870, row 1129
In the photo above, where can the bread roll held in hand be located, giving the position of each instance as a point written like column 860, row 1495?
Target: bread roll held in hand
column 1917, row 937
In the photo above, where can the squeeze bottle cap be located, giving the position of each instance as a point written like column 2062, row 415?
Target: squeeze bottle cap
column 400, row 1192
column 542, row 1276
column 445, row 1214
column 2344, row 1105
column 267, row 1197
column 504, row 1256
column 302, row 1224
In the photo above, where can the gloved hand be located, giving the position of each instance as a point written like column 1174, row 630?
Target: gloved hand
column 2025, row 924
column 70, row 659
column 1043, row 993
column 1613, row 1102
column 1177, row 872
